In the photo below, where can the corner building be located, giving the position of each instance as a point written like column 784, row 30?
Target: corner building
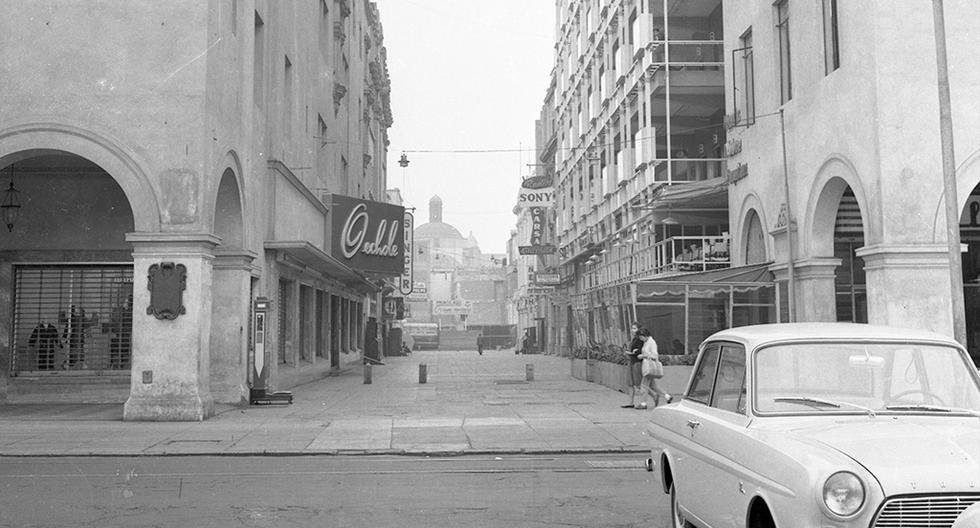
column 862, row 237
column 176, row 161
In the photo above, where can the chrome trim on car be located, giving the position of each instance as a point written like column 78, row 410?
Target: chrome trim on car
column 923, row 511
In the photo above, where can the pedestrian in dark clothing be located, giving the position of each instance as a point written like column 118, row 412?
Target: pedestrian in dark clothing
column 633, row 351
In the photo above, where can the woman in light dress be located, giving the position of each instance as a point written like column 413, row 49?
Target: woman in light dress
column 649, row 384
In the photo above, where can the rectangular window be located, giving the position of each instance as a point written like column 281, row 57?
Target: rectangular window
column 748, row 75
column 831, row 45
column 782, row 27
column 258, row 62
column 287, row 98
column 72, row 317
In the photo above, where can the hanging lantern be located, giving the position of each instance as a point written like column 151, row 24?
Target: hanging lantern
column 403, row 161
column 10, row 207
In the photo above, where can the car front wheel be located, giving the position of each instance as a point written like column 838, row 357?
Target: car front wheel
column 675, row 514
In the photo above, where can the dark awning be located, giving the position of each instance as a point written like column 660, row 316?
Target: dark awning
column 743, row 278
column 704, row 201
column 318, row 260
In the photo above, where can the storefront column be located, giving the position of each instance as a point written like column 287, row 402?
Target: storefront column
column 171, row 361
column 908, row 286
column 231, row 303
column 816, row 297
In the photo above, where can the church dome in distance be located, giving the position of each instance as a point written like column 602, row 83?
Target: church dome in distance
column 435, row 227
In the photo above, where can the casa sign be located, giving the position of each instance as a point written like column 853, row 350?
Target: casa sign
column 367, row 236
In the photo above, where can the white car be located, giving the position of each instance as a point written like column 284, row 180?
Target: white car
column 823, row 425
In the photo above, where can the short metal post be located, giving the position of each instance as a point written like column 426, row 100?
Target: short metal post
column 422, row 372
column 529, row 371
column 367, row 374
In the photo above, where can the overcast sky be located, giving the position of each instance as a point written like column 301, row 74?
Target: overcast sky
column 466, row 75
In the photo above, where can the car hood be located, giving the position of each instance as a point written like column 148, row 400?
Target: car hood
column 908, row 454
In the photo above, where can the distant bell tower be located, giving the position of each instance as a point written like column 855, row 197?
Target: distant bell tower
column 435, row 209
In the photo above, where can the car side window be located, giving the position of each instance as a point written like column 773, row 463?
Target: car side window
column 729, row 393
column 704, row 375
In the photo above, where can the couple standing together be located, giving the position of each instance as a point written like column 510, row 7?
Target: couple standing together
column 641, row 347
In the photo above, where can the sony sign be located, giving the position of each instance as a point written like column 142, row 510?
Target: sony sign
column 366, row 235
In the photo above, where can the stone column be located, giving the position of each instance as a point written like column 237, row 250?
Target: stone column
column 230, row 325
column 170, row 373
column 816, row 294
column 908, row 286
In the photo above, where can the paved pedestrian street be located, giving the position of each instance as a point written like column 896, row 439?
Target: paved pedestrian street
column 469, row 404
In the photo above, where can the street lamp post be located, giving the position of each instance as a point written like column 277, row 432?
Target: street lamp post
column 949, row 177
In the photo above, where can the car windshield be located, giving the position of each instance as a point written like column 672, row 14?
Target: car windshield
column 864, row 378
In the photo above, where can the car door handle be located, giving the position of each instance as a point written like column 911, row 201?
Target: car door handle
column 693, row 424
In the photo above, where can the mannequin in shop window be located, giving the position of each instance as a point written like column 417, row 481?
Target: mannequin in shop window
column 76, row 327
column 120, row 325
column 45, row 343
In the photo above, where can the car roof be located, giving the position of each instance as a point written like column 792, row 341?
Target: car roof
column 755, row 335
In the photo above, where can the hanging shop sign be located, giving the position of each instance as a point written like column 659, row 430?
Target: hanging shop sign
column 536, row 197
column 547, row 249
column 537, row 244
column 453, row 307
column 536, row 191
column 394, row 307
column 546, row 279
column 405, row 283
column 366, row 235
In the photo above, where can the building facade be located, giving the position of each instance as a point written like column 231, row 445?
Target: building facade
column 457, row 285
column 177, row 162
column 639, row 171
column 854, row 217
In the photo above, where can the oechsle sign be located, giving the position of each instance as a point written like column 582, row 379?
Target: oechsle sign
column 366, row 235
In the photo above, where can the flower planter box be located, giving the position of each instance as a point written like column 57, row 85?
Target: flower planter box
column 616, row 376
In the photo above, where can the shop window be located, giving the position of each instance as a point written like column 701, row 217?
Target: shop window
column 72, row 317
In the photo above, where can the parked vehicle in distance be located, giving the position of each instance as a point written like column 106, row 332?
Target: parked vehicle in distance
column 424, row 335
column 820, row 425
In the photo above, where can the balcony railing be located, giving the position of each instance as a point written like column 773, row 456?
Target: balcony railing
column 670, row 256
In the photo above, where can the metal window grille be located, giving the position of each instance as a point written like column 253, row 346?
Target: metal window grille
column 72, row 317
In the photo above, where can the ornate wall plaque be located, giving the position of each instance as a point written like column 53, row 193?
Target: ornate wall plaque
column 166, row 282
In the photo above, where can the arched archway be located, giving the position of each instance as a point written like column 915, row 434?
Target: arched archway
column 71, row 271
column 33, row 139
column 232, row 287
column 754, row 239
column 228, row 223
column 833, row 273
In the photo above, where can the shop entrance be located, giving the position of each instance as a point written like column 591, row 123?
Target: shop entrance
column 72, row 317
column 70, row 269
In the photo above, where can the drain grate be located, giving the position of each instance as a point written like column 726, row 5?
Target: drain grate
column 510, row 382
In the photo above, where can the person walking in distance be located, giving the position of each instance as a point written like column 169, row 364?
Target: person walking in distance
column 522, row 347
column 651, row 369
column 633, row 350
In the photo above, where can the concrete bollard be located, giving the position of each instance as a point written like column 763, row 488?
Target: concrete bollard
column 529, row 371
column 422, row 372
column 367, row 374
